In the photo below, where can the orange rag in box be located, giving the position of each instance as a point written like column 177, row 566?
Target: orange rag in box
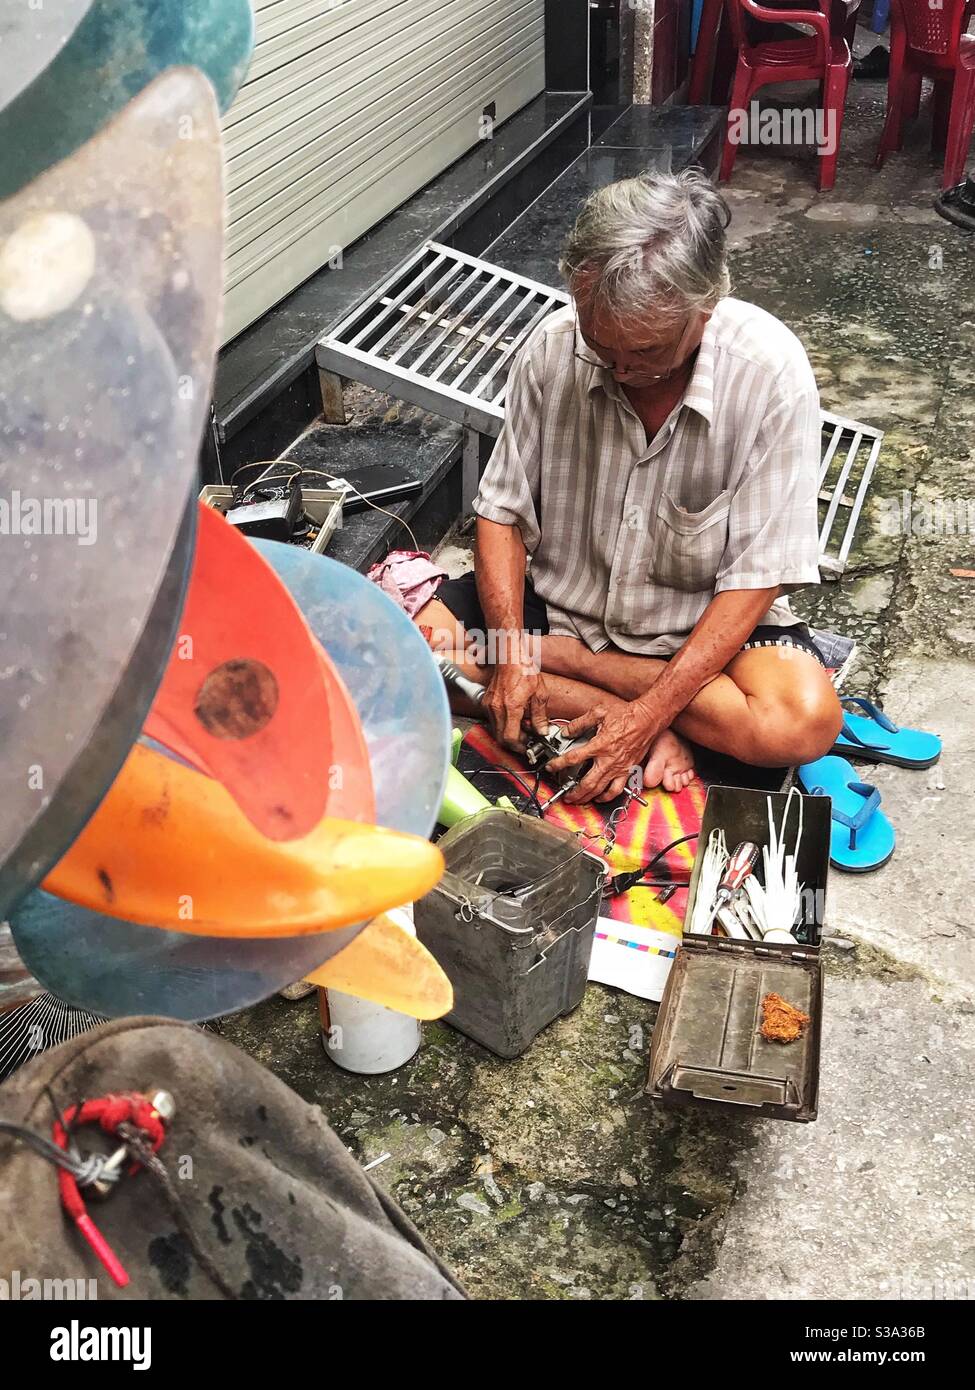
column 781, row 1022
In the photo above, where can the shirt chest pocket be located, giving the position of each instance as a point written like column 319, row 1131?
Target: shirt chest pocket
column 687, row 546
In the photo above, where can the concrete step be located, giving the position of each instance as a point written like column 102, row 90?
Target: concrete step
column 385, row 431
column 267, row 388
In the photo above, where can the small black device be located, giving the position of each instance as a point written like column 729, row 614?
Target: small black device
column 272, row 518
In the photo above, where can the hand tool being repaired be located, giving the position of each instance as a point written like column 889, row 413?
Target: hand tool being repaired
column 543, row 749
column 540, row 749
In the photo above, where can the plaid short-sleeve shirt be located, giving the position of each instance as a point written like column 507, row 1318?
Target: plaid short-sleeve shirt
column 630, row 540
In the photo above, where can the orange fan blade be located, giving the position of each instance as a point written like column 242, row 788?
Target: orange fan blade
column 168, row 847
column 389, row 966
column 247, row 694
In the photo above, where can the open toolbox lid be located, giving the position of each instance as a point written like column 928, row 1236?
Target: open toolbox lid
column 707, row 1046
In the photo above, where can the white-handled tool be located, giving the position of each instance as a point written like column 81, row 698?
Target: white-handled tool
column 455, row 677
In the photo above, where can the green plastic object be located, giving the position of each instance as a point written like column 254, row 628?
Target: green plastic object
column 461, row 799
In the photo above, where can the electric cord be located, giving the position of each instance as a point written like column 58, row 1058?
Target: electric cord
column 156, row 1169
column 498, row 770
column 75, row 1166
column 622, row 883
column 301, row 472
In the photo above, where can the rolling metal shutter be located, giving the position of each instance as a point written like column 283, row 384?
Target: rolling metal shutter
column 350, row 106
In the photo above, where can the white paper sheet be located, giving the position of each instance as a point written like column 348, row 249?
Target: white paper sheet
column 636, row 959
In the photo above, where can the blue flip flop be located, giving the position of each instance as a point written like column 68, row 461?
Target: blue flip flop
column 877, row 738
column 861, row 837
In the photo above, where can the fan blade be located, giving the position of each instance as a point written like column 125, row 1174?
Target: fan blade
column 168, row 847
column 389, row 966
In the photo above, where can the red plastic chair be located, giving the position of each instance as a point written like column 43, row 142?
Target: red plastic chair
column 714, row 54
column 822, row 56
column 926, row 42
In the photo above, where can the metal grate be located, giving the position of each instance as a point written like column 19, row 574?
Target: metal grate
column 442, row 330
column 850, row 456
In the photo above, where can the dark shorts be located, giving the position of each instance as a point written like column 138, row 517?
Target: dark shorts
column 460, row 596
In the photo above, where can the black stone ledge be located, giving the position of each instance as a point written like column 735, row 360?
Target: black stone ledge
column 466, row 206
column 387, row 432
column 644, row 137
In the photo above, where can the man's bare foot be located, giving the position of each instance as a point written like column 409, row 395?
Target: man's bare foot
column 670, row 764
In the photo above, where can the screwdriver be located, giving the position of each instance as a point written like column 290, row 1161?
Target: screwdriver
column 739, row 867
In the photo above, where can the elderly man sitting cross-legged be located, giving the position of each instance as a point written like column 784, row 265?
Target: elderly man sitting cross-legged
column 651, row 501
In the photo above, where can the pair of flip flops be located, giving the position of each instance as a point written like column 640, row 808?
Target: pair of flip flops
column 862, row 838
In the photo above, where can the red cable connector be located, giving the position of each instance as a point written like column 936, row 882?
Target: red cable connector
column 109, row 1112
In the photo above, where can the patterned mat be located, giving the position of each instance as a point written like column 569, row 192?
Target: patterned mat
column 640, row 834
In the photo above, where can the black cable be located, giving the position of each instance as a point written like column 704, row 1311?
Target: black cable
column 156, row 1169
column 498, row 770
column 667, row 848
column 622, row 883
column 45, row 1147
column 538, row 783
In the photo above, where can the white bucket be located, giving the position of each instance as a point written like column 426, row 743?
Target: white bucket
column 364, row 1037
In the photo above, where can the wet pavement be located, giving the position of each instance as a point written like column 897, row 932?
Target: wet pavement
column 553, row 1176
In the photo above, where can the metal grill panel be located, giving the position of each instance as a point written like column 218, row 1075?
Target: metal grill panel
column 441, row 332
column 850, row 456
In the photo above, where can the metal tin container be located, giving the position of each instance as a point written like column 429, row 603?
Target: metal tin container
column 707, row 1045
column 512, row 923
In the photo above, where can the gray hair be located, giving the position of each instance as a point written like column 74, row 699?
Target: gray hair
column 653, row 243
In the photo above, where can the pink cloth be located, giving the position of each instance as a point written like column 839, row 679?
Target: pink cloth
column 409, row 577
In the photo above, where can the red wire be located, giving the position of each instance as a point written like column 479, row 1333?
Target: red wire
column 109, row 1112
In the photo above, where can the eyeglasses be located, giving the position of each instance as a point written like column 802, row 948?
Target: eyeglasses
column 668, row 358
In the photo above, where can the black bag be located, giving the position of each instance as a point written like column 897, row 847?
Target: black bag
column 264, row 1191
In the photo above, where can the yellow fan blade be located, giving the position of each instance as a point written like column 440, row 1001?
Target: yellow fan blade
column 389, row 966
column 169, row 847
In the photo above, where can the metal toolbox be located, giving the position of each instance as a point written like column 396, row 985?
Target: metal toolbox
column 516, row 959
column 323, row 505
column 707, row 1047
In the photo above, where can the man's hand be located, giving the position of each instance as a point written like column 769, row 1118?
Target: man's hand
column 625, row 732
column 621, row 743
column 516, row 690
